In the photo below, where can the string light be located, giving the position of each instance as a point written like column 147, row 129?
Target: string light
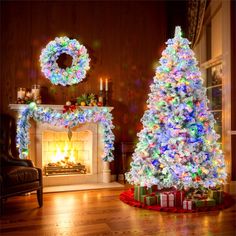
column 68, row 119
column 71, row 75
column 178, row 144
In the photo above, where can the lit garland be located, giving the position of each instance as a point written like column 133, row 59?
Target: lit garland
column 71, row 75
column 67, row 119
column 178, row 144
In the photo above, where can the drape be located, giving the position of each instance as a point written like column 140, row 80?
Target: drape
column 195, row 15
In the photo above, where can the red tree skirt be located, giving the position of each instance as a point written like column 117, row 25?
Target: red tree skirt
column 128, row 198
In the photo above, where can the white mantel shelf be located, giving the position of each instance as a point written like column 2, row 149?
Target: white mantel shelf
column 20, row 107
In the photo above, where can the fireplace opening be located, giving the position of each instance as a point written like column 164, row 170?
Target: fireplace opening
column 62, row 156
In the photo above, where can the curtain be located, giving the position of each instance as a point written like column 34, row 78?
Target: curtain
column 195, row 16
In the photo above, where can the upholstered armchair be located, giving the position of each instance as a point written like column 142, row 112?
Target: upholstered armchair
column 17, row 176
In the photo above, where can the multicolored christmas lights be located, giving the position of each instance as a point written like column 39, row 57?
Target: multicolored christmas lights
column 71, row 75
column 67, row 119
column 178, row 144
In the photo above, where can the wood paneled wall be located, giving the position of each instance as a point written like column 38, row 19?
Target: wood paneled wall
column 124, row 40
column 233, row 86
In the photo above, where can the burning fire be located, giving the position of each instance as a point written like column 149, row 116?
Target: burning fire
column 63, row 161
column 62, row 153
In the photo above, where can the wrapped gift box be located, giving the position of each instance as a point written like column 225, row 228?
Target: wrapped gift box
column 138, row 192
column 188, row 204
column 158, row 198
column 217, row 195
column 154, row 188
column 167, row 199
column 179, row 198
column 204, row 202
column 151, row 189
column 149, row 199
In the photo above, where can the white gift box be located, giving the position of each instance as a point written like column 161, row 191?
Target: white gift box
column 188, row 204
column 167, row 199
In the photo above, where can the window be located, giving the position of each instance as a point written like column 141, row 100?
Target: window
column 214, row 93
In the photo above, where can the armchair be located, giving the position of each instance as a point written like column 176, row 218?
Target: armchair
column 17, row 176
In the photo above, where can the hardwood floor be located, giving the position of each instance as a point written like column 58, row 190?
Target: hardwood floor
column 100, row 212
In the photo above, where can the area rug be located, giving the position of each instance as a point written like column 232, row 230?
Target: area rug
column 128, row 198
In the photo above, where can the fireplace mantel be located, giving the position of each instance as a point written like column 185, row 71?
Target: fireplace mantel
column 101, row 170
column 19, row 107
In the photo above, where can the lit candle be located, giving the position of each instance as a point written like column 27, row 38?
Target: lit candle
column 106, row 88
column 101, row 84
column 21, row 93
column 35, row 91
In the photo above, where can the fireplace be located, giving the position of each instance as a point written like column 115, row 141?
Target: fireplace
column 64, row 155
column 67, row 161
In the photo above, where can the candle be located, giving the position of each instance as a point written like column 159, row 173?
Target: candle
column 21, row 93
column 106, row 88
column 35, row 91
column 28, row 94
column 101, row 84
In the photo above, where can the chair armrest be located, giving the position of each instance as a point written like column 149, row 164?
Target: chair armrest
column 10, row 161
column 40, row 175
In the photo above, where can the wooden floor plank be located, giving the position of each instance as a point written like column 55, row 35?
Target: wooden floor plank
column 100, row 212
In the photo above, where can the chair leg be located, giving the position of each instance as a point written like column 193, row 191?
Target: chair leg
column 40, row 197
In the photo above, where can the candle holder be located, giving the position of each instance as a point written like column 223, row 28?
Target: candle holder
column 21, row 92
column 100, row 98
column 106, row 98
column 35, row 91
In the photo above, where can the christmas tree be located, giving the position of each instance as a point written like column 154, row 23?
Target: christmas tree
column 178, row 144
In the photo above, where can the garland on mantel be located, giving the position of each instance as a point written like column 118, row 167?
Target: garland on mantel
column 67, row 119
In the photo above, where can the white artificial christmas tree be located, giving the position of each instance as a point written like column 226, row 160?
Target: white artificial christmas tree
column 178, row 144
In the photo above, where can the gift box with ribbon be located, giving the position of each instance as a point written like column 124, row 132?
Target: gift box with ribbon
column 188, row 204
column 199, row 194
column 217, row 195
column 167, row 199
column 204, row 202
column 138, row 192
column 154, row 188
column 179, row 198
column 149, row 199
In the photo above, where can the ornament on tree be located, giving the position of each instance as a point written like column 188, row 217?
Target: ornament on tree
column 178, row 144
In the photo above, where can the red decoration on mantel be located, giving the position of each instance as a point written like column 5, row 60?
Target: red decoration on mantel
column 128, row 198
column 70, row 108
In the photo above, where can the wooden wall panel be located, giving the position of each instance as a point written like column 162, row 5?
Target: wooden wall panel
column 233, row 86
column 123, row 38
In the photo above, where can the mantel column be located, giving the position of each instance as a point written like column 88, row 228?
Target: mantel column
column 106, row 172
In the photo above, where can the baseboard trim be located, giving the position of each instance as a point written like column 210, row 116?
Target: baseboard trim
column 120, row 177
column 113, row 178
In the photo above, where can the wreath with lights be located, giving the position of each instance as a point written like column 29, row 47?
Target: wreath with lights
column 71, row 75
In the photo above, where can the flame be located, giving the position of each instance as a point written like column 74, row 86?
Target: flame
column 63, row 152
column 72, row 156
